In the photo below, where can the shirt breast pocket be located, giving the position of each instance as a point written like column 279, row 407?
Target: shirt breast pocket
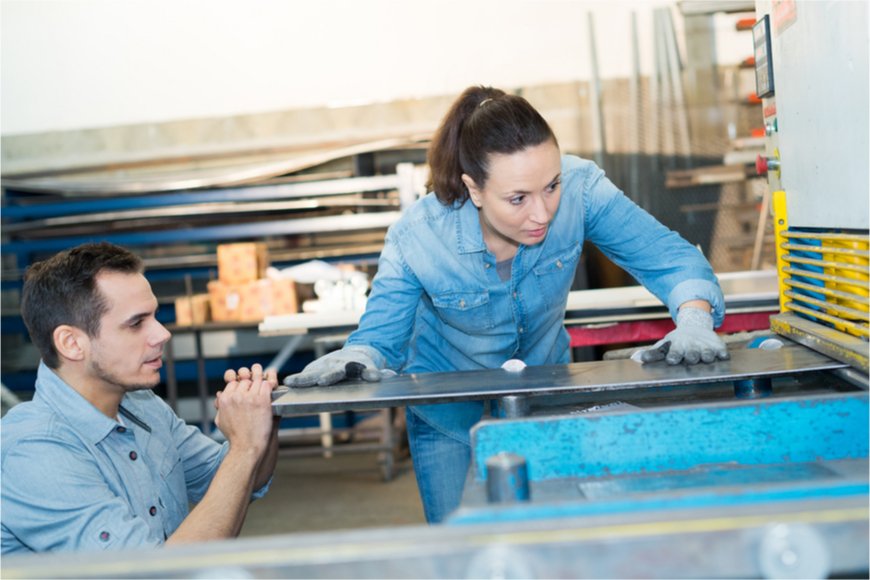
column 469, row 312
column 555, row 274
column 172, row 476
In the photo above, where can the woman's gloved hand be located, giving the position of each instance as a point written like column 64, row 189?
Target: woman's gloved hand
column 692, row 341
column 351, row 362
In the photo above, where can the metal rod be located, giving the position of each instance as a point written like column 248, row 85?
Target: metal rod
column 827, row 305
column 595, row 101
column 856, row 328
column 833, row 279
column 827, row 250
column 826, row 291
column 759, row 229
column 825, row 264
column 826, row 236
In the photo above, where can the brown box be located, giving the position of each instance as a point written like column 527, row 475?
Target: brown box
column 240, row 263
column 252, row 301
column 192, row 309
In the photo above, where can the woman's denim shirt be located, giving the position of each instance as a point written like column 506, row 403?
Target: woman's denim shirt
column 437, row 303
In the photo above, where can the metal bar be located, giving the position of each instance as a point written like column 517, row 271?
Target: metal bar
column 249, row 193
column 197, row 210
column 201, row 384
column 830, row 306
column 732, row 542
column 595, row 101
column 856, row 328
column 826, row 291
column 839, row 345
column 826, row 236
column 225, row 232
column 824, row 277
column 825, row 263
column 759, row 229
column 827, row 250
column 588, row 377
column 675, row 67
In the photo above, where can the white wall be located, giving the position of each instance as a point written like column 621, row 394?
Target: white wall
column 73, row 64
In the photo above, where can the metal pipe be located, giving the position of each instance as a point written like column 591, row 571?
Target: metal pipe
column 853, row 377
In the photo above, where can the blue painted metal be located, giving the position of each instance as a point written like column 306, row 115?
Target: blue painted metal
column 650, row 503
column 653, row 441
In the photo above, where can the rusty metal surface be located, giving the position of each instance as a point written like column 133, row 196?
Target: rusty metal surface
column 595, row 376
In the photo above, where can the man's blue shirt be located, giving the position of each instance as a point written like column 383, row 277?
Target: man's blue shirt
column 74, row 479
column 437, row 303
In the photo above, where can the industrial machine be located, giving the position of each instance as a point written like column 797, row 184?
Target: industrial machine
column 752, row 467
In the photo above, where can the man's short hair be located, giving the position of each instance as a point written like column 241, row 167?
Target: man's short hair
column 63, row 290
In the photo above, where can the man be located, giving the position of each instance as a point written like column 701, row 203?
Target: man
column 96, row 460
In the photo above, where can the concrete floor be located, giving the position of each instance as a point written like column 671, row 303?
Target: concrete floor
column 346, row 491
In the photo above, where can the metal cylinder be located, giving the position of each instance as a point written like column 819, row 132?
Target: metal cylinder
column 513, row 407
column 753, row 388
column 507, row 478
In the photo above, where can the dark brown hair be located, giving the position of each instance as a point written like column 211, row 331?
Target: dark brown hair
column 63, row 290
column 483, row 120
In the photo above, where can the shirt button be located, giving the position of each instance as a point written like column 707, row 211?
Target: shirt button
column 487, row 266
column 515, row 295
column 462, row 303
column 559, row 264
column 152, row 510
column 121, row 429
column 521, row 329
column 133, row 455
column 104, row 536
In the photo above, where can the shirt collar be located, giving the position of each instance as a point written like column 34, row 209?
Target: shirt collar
column 469, row 236
column 81, row 415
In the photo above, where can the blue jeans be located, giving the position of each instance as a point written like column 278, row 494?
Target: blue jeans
column 441, row 465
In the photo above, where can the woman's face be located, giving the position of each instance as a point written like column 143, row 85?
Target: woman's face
column 519, row 199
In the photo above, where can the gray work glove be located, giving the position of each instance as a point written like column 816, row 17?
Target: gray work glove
column 351, row 362
column 692, row 341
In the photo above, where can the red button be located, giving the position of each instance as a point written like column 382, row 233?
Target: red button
column 104, row 536
column 761, row 165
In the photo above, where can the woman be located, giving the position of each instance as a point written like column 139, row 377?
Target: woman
column 479, row 273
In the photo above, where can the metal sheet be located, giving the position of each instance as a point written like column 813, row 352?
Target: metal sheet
column 572, row 378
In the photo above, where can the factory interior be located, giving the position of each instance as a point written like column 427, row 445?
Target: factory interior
column 255, row 154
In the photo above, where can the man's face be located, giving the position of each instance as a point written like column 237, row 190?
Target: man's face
column 128, row 351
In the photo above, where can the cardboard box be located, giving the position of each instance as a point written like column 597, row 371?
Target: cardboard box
column 192, row 309
column 252, row 301
column 240, row 263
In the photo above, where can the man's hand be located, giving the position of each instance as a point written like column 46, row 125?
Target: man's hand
column 692, row 341
column 348, row 363
column 245, row 407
